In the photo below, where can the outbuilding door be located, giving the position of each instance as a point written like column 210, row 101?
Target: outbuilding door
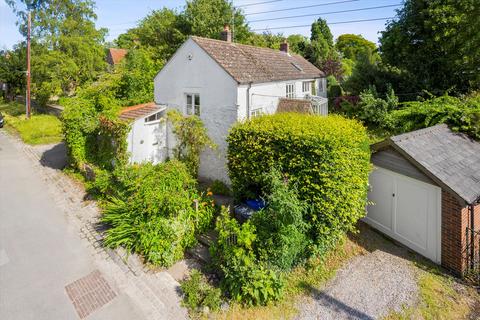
column 407, row 210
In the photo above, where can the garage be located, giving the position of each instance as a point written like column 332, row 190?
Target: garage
column 407, row 210
column 424, row 192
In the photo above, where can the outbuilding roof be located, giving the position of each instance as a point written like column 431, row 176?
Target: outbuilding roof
column 449, row 158
column 250, row 64
column 294, row 105
column 115, row 55
column 139, row 111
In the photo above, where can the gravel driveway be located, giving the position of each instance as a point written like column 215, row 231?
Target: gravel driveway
column 368, row 287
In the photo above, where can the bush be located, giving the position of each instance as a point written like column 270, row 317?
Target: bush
column 198, row 293
column 219, row 187
column 460, row 115
column 244, row 278
column 327, row 158
column 154, row 210
column 280, row 227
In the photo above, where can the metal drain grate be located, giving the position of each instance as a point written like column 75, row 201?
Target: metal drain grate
column 89, row 293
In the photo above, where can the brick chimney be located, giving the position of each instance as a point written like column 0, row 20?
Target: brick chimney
column 226, row 34
column 284, row 46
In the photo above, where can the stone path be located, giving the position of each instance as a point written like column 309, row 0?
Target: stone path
column 154, row 293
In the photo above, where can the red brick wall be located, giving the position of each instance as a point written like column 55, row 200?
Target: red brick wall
column 455, row 220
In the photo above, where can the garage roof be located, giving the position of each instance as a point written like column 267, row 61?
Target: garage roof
column 449, row 158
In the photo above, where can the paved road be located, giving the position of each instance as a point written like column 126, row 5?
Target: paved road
column 40, row 251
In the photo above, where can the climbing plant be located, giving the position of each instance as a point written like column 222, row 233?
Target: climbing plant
column 192, row 139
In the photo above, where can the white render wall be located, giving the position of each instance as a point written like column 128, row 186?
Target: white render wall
column 265, row 96
column 146, row 141
column 192, row 70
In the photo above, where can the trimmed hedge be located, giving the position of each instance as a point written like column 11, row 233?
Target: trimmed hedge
column 327, row 158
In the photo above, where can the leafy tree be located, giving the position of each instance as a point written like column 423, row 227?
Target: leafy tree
column 206, row 18
column 437, row 40
column 266, row 39
column 298, row 43
column 12, row 69
column 351, row 45
column 160, row 32
column 66, row 47
column 321, row 32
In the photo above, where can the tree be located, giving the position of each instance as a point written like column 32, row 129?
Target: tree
column 12, row 69
column 351, row 45
column 161, row 32
column 66, row 47
column 206, row 18
column 321, row 52
column 298, row 43
column 437, row 40
column 320, row 31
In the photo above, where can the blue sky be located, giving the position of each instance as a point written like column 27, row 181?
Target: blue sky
column 119, row 15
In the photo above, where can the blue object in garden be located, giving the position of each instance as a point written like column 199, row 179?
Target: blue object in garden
column 243, row 212
column 257, row 204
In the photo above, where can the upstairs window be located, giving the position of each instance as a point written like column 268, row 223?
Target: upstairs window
column 290, row 90
column 307, row 86
column 193, row 104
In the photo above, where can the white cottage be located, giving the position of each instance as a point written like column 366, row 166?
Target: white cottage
column 224, row 82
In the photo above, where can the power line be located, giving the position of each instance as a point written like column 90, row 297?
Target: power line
column 308, row 25
column 304, row 7
column 325, row 13
column 257, row 3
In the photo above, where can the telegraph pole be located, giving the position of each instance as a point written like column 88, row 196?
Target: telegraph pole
column 27, row 100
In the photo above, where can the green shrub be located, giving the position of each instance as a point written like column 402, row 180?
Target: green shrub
column 280, row 227
column 219, row 187
column 460, row 114
column 245, row 279
column 198, row 293
column 327, row 158
column 154, row 210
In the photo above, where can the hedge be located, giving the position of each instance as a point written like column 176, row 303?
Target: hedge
column 327, row 158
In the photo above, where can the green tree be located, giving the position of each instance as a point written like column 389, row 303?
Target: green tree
column 12, row 69
column 206, row 18
column 66, row 47
column 351, row 45
column 160, row 32
column 437, row 40
column 298, row 43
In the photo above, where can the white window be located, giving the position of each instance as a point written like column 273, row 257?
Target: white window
column 193, row 104
column 155, row 116
column 307, row 86
column 256, row 112
column 290, row 90
column 321, row 87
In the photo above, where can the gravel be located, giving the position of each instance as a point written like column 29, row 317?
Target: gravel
column 368, row 287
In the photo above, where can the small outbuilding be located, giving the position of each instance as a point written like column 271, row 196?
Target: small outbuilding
column 148, row 130
column 425, row 193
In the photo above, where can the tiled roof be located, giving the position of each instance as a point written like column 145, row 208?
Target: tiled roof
column 255, row 64
column 116, row 55
column 294, row 105
column 451, row 159
column 138, row 111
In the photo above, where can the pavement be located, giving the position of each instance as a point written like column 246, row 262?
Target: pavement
column 50, row 265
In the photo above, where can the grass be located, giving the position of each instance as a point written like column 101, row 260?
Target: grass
column 39, row 129
column 440, row 298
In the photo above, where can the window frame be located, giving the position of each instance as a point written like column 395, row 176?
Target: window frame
column 290, row 93
column 256, row 112
column 193, row 108
column 309, row 85
column 157, row 117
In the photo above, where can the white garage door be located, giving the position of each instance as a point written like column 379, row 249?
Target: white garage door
column 407, row 210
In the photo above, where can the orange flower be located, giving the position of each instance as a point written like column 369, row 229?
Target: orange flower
column 209, row 193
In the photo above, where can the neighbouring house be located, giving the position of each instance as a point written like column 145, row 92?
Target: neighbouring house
column 116, row 55
column 425, row 187
column 147, row 136
column 223, row 82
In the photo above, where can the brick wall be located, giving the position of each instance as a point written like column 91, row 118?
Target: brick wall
column 455, row 220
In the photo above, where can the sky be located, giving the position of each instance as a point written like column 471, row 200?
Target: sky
column 119, row 15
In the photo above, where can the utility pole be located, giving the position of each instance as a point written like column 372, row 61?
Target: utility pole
column 27, row 100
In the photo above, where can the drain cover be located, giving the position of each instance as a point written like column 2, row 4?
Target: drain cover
column 89, row 293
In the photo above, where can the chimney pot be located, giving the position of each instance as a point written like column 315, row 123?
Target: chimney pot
column 226, row 34
column 284, row 46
